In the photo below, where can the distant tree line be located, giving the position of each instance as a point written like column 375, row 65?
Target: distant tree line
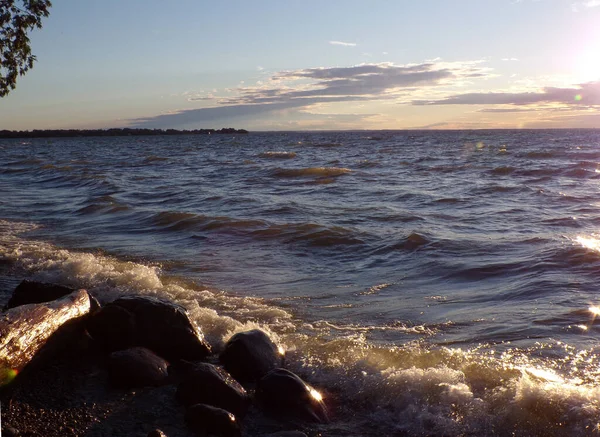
column 115, row 132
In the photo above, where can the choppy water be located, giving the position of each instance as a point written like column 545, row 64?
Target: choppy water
column 429, row 283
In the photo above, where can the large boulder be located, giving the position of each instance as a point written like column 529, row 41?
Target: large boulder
column 36, row 292
column 113, row 328
column 137, row 367
column 161, row 326
column 283, row 393
column 248, row 356
column 26, row 329
column 166, row 328
column 208, row 420
column 209, row 384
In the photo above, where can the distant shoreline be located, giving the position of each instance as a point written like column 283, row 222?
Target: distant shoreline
column 115, row 132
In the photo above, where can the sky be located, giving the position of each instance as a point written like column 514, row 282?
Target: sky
column 312, row 65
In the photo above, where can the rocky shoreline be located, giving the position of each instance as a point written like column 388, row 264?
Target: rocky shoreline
column 138, row 366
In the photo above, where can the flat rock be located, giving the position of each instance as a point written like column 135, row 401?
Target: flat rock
column 209, row 384
column 283, row 393
column 137, row 367
column 36, row 292
column 206, row 419
column 248, row 356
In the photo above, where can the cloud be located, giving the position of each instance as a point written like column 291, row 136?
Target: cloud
column 342, row 43
column 577, row 6
column 586, row 94
column 304, row 88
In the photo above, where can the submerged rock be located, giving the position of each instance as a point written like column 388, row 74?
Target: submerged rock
column 26, row 329
column 36, row 292
column 282, row 392
column 208, row 384
column 137, row 367
column 205, row 419
column 161, row 326
column 248, row 356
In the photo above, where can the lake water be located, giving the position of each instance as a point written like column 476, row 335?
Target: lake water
column 427, row 283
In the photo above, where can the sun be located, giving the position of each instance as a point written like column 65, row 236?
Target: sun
column 587, row 65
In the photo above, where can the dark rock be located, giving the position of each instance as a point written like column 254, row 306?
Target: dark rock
column 25, row 330
column 208, row 384
column 36, row 292
column 165, row 328
column 282, row 392
column 113, row 328
column 9, row 431
column 248, row 356
column 156, row 433
column 137, row 367
column 205, row 419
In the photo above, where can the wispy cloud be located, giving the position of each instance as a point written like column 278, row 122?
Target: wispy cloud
column 578, row 6
column 586, row 94
column 342, row 43
column 296, row 89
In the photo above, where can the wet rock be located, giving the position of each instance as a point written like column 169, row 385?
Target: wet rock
column 205, row 419
column 36, row 292
column 26, row 329
column 284, row 393
column 113, row 328
column 165, row 328
column 248, row 356
column 208, row 384
column 156, row 433
column 137, row 367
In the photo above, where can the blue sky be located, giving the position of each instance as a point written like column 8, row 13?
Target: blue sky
column 287, row 65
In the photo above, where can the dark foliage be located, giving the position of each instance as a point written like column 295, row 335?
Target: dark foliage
column 17, row 18
column 63, row 133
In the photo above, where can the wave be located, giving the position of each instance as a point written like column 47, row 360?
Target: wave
column 371, row 389
column 309, row 233
column 277, row 155
column 310, row 172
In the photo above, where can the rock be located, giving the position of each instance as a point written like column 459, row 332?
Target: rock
column 113, row 328
column 208, row 384
column 137, row 367
column 156, row 433
column 24, row 330
column 205, row 419
column 36, row 292
column 282, row 392
column 248, row 356
column 165, row 328
column 9, row 431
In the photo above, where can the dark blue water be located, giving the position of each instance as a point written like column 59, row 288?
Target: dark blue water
column 433, row 283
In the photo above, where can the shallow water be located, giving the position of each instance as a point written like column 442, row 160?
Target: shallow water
column 429, row 283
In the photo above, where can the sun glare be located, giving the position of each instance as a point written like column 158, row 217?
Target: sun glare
column 587, row 65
